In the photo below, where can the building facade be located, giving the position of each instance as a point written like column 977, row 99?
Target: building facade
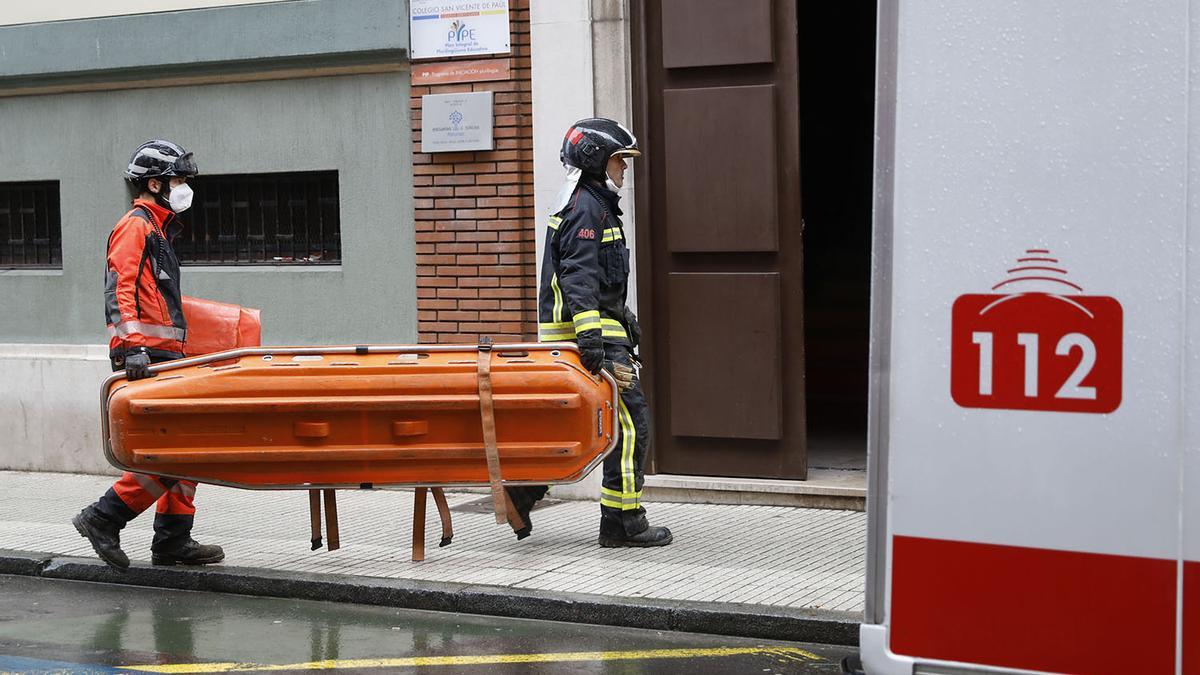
column 749, row 214
column 310, row 99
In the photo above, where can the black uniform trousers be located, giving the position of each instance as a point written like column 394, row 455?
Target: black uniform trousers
column 624, row 468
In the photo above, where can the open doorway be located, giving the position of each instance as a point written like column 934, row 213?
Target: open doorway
column 837, row 87
column 747, row 380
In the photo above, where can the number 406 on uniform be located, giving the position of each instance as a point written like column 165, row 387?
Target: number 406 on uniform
column 1037, row 351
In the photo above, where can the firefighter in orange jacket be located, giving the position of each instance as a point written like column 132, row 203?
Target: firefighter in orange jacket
column 143, row 307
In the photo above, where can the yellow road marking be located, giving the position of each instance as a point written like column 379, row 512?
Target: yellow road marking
column 488, row 659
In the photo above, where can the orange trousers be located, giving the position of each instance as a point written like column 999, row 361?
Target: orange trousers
column 138, row 491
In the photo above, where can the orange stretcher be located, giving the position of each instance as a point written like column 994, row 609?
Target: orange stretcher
column 348, row 417
column 311, row 418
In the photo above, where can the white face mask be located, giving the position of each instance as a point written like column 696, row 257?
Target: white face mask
column 608, row 182
column 180, row 198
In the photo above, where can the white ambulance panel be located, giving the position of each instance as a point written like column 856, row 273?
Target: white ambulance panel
column 1035, row 299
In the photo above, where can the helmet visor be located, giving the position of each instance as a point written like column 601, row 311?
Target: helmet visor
column 627, row 152
column 184, row 166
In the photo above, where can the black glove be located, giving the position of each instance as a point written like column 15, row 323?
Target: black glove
column 591, row 350
column 137, row 364
column 634, row 328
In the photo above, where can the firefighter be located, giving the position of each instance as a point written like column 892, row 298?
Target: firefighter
column 143, row 307
column 582, row 297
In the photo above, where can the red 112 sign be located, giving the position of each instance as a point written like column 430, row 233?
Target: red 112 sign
column 1037, row 344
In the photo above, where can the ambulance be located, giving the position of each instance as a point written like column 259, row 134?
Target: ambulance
column 1034, row 463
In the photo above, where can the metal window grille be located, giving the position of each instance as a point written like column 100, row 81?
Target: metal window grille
column 30, row 225
column 257, row 219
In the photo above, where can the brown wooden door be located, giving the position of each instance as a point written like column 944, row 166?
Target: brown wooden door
column 719, row 235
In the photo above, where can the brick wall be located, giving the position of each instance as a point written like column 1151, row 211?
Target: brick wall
column 475, row 217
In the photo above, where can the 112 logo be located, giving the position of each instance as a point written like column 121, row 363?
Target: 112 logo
column 1037, row 344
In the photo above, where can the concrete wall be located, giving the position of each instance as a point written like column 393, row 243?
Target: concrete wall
column 315, row 30
column 50, row 407
column 357, row 125
column 250, row 119
column 29, row 12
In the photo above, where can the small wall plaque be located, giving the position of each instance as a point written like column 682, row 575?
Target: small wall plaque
column 456, row 122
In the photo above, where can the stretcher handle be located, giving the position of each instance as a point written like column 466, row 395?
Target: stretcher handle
column 487, row 414
column 418, row 537
column 439, row 498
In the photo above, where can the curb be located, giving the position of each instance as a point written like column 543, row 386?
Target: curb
column 752, row 621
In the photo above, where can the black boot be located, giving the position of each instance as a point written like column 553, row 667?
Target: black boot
column 104, row 535
column 630, row 529
column 524, row 497
column 189, row 552
column 173, row 543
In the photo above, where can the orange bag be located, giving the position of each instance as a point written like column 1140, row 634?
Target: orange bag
column 304, row 417
column 217, row 326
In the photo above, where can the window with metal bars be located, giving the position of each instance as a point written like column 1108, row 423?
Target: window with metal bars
column 262, row 219
column 30, row 225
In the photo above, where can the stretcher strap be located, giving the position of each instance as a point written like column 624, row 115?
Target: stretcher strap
column 488, row 414
column 419, row 502
column 514, row 518
column 439, row 498
column 314, row 517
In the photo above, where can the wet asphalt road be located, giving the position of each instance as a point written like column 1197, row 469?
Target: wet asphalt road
column 75, row 627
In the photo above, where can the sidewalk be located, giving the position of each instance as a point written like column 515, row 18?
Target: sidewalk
column 806, row 564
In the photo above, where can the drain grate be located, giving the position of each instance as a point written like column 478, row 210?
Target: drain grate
column 484, row 505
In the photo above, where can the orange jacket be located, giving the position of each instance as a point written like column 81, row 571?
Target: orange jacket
column 142, row 301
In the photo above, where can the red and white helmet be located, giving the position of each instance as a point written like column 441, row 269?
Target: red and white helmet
column 590, row 143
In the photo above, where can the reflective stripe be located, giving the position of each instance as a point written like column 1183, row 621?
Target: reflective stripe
column 613, row 329
column 186, row 489
column 566, row 330
column 613, row 495
column 150, row 485
column 612, row 234
column 553, row 332
column 555, row 221
column 127, row 328
column 556, row 311
column 628, row 437
column 588, row 320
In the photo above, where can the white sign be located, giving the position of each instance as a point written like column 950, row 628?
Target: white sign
column 444, row 28
column 456, row 122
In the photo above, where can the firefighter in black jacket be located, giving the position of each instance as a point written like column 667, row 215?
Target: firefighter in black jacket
column 582, row 296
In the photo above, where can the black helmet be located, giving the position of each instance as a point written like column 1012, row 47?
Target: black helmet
column 590, row 143
column 154, row 159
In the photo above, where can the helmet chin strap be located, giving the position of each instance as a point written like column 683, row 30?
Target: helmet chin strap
column 163, row 196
